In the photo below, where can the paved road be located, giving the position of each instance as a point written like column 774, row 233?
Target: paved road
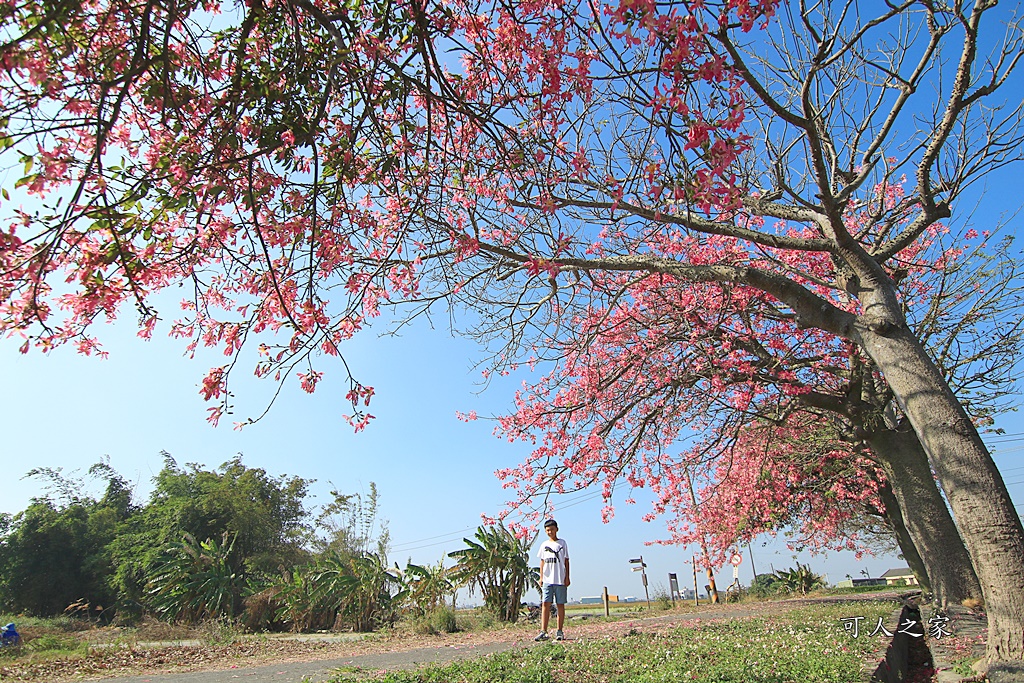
column 314, row 672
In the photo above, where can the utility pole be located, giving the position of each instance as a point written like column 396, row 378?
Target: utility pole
column 696, row 591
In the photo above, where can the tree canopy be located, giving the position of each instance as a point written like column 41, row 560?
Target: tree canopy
column 745, row 168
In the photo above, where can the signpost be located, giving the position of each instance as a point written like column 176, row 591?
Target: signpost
column 736, row 560
column 673, row 587
column 640, row 561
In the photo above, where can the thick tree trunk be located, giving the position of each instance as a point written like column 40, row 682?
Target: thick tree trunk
column 894, row 516
column 981, row 505
column 925, row 515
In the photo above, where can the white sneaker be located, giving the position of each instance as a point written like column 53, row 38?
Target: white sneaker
column 559, row 635
column 543, row 635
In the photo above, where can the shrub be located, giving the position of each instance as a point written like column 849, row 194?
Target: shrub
column 498, row 563
column 429, row 586
column 218, row 632
column 262, row 608
column 485, row 619
column 764, row 585
column 734, row 593
column 439, row 620
column 443, row 619
column 661, row 599
column 195, row 580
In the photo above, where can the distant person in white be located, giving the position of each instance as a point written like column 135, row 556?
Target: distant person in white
column 554, row 578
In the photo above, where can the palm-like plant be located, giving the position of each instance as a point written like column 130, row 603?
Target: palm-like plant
column 498, row 564
column 195, row 580
column 799, row 579
column 376, row 593
column 339, row 589
column 298, row 605
column 428, row 586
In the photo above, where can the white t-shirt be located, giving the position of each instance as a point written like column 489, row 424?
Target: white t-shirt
column 554, row 554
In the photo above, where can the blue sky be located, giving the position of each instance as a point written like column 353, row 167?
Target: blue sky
column 434, row 472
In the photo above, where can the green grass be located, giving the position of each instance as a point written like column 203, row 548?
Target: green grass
column 866, row 589
column 60, row 623
column 965, row 666
column 45, row 638
column 807, row 644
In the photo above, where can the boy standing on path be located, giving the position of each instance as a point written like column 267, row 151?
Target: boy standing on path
column 554, row 578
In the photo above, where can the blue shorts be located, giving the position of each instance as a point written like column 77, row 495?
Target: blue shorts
column 555, row 593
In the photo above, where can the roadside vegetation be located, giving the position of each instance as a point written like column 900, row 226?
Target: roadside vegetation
column 224, row 558
column 216, row 555
column 237, row 546
column 806, row 644
column 62, row 649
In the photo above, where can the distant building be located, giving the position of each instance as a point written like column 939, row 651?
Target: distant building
column 595, row 600
column 852, row 583
column 901, row 576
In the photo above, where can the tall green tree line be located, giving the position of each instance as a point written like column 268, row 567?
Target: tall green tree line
column 229, row 543
column 70, row 548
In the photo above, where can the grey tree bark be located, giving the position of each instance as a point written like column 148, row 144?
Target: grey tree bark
column 921, row 511
column 908, row 548
column 990, row 527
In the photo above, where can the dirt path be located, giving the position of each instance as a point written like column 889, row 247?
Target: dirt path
column 316, row 662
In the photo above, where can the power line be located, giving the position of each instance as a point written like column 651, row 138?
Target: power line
column 1015, row 449
column 419, row 545
column 426, row 545
column 1018, row 436
column 430, row 538
column 452, row 536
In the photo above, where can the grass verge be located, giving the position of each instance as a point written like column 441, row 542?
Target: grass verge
column 807, row 644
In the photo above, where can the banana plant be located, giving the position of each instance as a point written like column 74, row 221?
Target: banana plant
column 196, row 580
column 498, row 564
column 428, row 585
column 799, row 579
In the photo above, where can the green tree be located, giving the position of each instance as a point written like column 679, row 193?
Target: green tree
column 339, row 589
column 348, row 582
column 54, row 553
column 294, row 598
column 367, row 591
column 764, row 585
column 498, row 564
column 351, row 524
column 264, row 516
column 48, row 560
